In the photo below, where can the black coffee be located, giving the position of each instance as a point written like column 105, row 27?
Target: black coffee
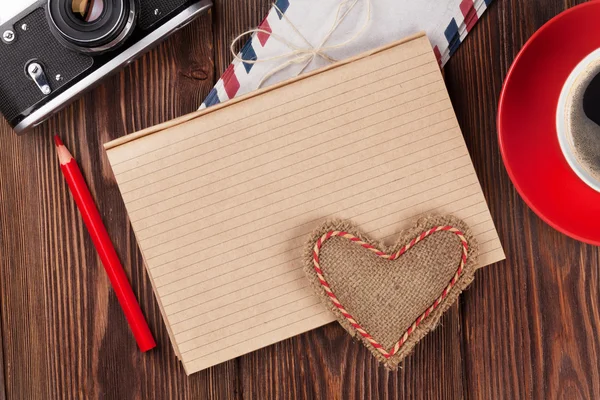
column 583, row 119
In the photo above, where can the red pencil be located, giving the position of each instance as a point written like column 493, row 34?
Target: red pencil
column 112, row 265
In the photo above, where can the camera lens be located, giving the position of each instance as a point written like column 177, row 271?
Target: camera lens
column 92, row 26
column 87, row 10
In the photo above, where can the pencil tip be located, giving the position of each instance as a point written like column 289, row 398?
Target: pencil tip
column 57, row 141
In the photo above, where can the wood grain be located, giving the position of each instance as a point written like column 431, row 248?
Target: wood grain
column 64, row 333
column 2, row 383
column 327, row 364
column 531, row 323
column 527, row 328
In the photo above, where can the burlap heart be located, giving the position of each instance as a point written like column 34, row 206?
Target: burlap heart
column 391, row 296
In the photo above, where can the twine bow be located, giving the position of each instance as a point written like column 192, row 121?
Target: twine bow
column 305, row 55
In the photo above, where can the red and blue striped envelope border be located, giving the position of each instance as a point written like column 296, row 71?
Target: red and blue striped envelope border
column 228, row 86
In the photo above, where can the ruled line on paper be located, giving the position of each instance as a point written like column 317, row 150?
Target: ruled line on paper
column 238, row 310
column 496, row 249
column 260, row 112
column 200, row 320
column 223, row 305
column 267, row 268
column 185, row 303
column 187, row 255
column 163, row 242
column 416, row 150
column 219, row 302
column 277, row 233
column 222, row 273
column 191, row 317
column 317, row 307
column 290, row 262
column 233, row 163
column 181, row 160
column 247, row 268
column 294, row 172
column 262, row 228
column 254, row 337
column 244, row 318
column 324, row 89
column 161, row 174
column 249, row 283
column 312, row 300
column 308, row 226
column 212, row 299
column 222, row 205
column 431, row 199
column 193, row 188
column 139, row 162
column 257, row 279
column 198, row 333
column 326, row 172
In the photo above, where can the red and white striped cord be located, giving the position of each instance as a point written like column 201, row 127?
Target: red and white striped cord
column 391, row 257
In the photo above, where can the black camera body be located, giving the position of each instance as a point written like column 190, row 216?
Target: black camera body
column 55, row 50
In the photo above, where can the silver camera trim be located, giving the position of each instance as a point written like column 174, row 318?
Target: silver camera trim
column 126, row 57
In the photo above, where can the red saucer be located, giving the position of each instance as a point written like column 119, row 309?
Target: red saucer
column 527, row 123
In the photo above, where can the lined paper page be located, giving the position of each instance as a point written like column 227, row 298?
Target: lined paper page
column 222, row 205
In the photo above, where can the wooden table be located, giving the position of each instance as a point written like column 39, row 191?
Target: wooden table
column 527, row 328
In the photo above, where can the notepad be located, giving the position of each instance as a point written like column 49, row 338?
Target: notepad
column 223, row 200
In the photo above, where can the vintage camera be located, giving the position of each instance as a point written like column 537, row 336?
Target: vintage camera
column 54, row 50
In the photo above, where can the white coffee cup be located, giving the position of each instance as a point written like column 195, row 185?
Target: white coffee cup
column 576, row 132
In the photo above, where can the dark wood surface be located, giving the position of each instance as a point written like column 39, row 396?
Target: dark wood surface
column 527, row 328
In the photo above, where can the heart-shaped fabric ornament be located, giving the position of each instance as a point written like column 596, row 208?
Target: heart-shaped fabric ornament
column 391, row 296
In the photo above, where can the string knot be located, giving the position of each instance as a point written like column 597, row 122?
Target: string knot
column 304, row 55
